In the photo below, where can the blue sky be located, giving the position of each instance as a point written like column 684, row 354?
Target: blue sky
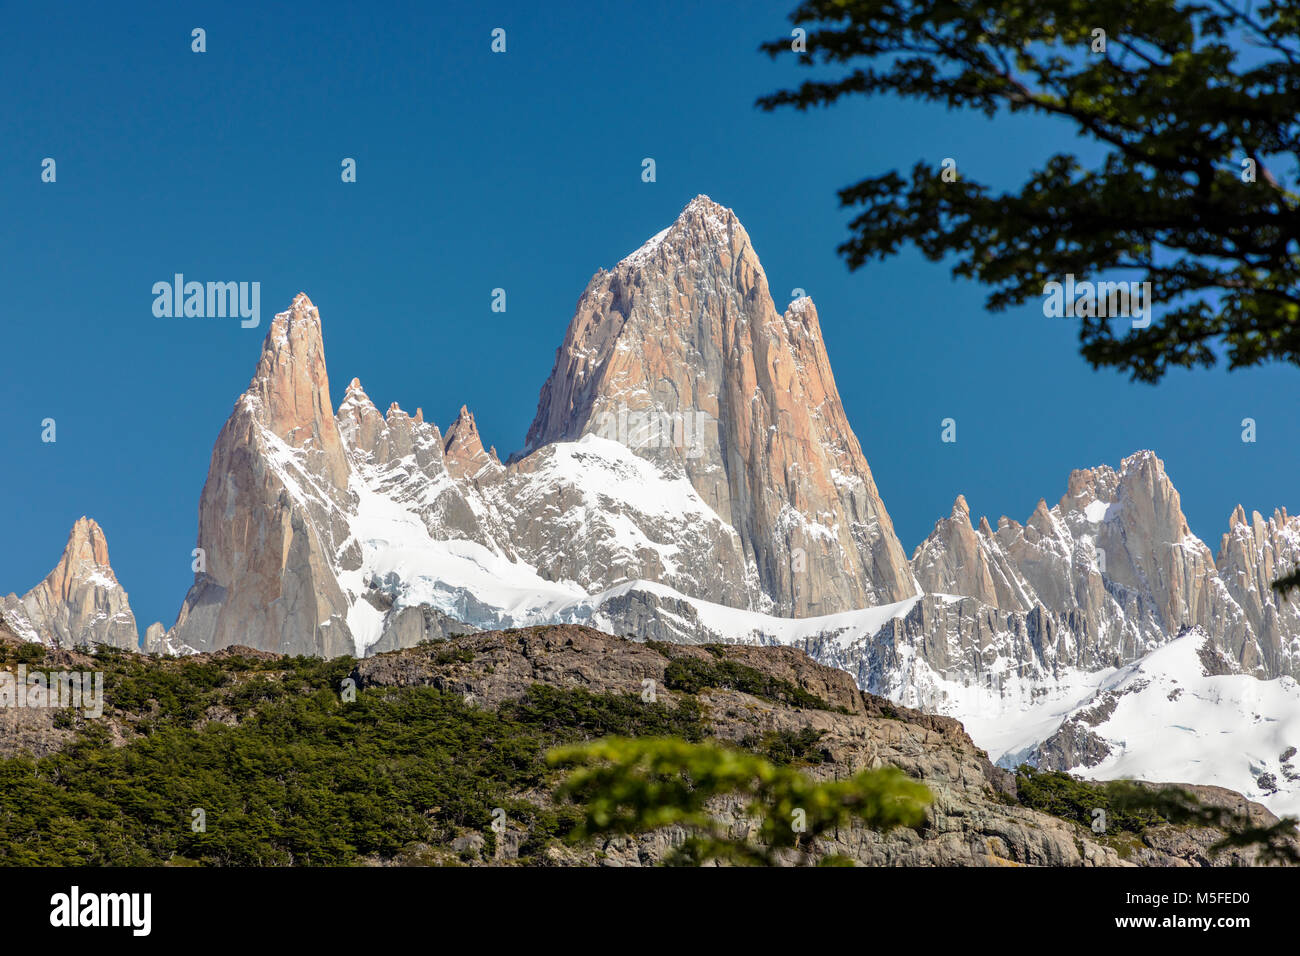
column 520, row 171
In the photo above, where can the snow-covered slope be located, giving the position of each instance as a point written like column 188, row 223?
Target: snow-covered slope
column 611, row 516
column 1180, row 714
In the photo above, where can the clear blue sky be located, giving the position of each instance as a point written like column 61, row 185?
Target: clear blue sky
column 476, row 171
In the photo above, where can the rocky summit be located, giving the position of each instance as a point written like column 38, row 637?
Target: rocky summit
column 685, row 330
column 80, row 602
column 690, row 476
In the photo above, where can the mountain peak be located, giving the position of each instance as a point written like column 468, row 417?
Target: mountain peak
column 358, row 419
column 289, row 393
column 684, row 334
column 704, row 211
column 702, row 222
column 85, row 553
column 86, row 543
column 1143, row 462
column 702, row 201
column 80, row 601
column 271, row 515
column 1145, row 485
column 1086, row 485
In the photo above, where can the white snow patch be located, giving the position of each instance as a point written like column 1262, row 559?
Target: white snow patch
column 643, row 253
column 100, row 579
column 1097, row 511
column 1174, row 723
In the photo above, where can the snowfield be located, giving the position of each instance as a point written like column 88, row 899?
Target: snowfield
column 1175, row 723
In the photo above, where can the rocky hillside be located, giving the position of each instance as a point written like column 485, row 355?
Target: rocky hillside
column 440, row 734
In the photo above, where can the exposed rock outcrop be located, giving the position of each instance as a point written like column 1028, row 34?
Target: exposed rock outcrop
column 1111, row 572
column 974, row 821
column 466, row 457
column 1252, row 555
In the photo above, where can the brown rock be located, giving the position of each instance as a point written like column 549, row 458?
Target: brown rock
column 273, row 513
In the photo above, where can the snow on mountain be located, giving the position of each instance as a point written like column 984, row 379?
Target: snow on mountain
column 624, row 505
column 462, row 578
column 681, row 354
column 690, row 475
column 1177, row 714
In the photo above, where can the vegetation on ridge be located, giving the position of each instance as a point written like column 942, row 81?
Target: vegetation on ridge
column 286, row 771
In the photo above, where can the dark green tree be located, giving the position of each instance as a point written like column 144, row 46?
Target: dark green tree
column 1194, row 106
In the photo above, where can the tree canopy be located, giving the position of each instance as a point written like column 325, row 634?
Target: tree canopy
column 1194, row 106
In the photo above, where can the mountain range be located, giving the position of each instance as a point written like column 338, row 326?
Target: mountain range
column 691, row 476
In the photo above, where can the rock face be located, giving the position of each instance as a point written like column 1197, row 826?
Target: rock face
column 1251, row 556
column 273, row 513
column 681, row 354
column 690, row 435
column 80, row 602
column 155, row 639
column 465, row 456
column 405, row 460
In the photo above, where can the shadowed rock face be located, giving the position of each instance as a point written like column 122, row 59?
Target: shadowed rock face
column 80, row 602
column 681, row 354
